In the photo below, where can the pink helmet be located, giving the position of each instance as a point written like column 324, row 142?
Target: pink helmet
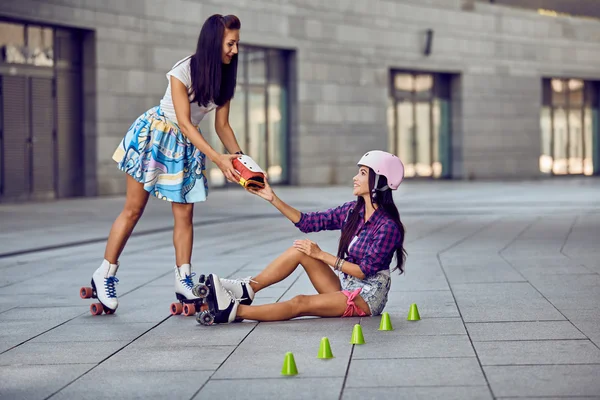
column 386, row 164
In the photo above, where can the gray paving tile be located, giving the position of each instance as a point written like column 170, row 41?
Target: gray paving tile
column 102, row 383
column 185, row 330
column 37, row 381
column 503, row 302
column 424, row 327
column 42, row 313
column 544, row 380
column 415, row 372
column 275, row 388
column 419, row 393
column 587, row 321
column 494, row 270
column 168, row 356
column 94, row 332
column 262, row 353
column 393, row 345
column 60, row 353
column 534, row 330
column 431, row 304
column 538, row 352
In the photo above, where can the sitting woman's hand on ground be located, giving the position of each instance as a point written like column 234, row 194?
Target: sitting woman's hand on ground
column 309, row 248
column 266, row 192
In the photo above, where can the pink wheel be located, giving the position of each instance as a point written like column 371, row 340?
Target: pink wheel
column 96, row 308
column 189, row 310
column 176, row 308
column 86, row 292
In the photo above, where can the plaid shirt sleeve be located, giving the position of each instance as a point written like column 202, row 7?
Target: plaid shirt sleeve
column 328, row 220
column 380, row 252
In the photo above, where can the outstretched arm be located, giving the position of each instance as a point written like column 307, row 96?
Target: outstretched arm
column 267, row 193
column 224, row 130
column 182, row 111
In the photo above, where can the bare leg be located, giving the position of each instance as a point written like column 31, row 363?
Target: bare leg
column 183, row 232
column 319, row 305
column 320, row 274
column 135, row 202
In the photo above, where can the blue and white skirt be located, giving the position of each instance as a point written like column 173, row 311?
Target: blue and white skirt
column 155, row 153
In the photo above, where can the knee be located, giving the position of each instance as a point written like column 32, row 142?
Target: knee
column 299, row 303
column 133, row 213
column 295, row 253
column 183, row 212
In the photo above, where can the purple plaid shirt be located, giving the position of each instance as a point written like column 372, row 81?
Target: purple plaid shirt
column 374, row 243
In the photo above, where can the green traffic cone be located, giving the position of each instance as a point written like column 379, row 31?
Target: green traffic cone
column 357, row 335
column 289, row 365
column 385, row 324
column 325, row 349
column 413, row 313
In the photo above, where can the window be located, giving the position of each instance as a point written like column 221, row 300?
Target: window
column 568, row 122
column 419, row 122
column 258, row 113
column 26, row 44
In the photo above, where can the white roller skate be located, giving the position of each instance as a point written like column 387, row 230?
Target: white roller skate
column 103, row 289
column 222, row 304
column 240, row 288
column 188, row 303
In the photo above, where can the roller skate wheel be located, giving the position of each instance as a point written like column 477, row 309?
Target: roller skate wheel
column 189, row 309
column 96, row 309
column 205, row 318
column 200, row 290
column 108, row 311
column 86, row 292
column 176, row 308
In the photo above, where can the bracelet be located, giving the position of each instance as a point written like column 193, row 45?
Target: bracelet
column 341, row 265
column 338, row 264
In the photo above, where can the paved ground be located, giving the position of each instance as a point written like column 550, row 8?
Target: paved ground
column 506, row 277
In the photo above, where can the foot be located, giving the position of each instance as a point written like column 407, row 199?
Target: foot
column 221, row 302
column 184, row 284
column 240, row 288
column 103, row 283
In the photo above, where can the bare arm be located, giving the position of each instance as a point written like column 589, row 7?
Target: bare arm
column 267, row 193
column 224, row 130
column 313, row 250
column 182, row 111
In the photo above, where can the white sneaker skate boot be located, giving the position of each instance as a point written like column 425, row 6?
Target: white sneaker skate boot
column 184, row 284
column 103, row 283
column 240, row 288
column 188, row 303
column 222, row 305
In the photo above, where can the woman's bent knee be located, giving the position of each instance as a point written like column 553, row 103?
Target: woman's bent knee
column 133, row 214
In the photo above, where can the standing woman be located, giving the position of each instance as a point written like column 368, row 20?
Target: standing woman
column 164, row 152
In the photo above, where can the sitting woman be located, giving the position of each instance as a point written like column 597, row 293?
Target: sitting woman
column 372, row 234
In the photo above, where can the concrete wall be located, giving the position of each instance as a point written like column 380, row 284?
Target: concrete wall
column 344, row 51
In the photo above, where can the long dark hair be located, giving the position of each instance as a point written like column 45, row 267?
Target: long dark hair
column 211, row 79
column 385, row 201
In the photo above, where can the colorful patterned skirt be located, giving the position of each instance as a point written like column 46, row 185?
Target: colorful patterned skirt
column 155, row 153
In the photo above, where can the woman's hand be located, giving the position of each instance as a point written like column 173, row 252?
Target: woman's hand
column 309, row 248
column 224, row 162
column 265, row 193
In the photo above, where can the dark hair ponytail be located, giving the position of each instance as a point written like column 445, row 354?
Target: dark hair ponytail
column 213, row 81
column 383, row 199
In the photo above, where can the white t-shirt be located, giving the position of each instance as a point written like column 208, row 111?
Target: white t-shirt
column 181, row 71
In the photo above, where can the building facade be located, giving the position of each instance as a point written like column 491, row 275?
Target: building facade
column 459, row 89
